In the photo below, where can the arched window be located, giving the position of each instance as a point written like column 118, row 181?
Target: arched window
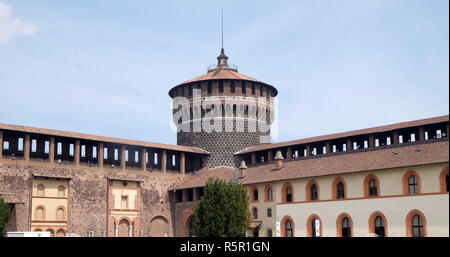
column 339, row 188
column 416, row 224
column 287, row 227
column 269, row 212
column 371, row 186
column 344, row 225
column 191, row 227
column 40, row 190
column 444, row 179
column 60, row 214
column 411, row 183
column 314, row 226
column 312, row 191
column 40, row 213
column 287, row 193
column 373, row 190
column 378, row 224
column 268, row 193
column 61, row 191
column 255, row 212
column 61, row 233
column 52, row 233
column 254, row 194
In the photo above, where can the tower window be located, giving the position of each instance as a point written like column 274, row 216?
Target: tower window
column 209, row 88
column 253, row 89
column 244, row 89
column 220, row 86
column 233, row 87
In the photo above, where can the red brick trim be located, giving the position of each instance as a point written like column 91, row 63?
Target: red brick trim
column 408, row 221
column 308, row 190
column 266, row 193
column 64, row 213
column 372, row 218
column 309, row 225
column 334, row 187
column 43, row 191
column 442, row 179
column 43, row 212
column 283, row 192
column 406, row 185
column 339, row 224
column 283, row 225
column 367, row 185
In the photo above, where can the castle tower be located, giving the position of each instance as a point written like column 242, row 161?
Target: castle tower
column 223, row 112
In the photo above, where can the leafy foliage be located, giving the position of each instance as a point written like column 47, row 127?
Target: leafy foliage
column 223, row 210
column 5, row 214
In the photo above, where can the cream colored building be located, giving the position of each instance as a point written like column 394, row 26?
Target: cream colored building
column 50, row 205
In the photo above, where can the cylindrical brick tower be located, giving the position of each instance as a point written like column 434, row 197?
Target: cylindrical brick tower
column 223, row 112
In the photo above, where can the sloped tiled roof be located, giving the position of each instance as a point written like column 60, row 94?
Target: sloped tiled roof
column 333, row 164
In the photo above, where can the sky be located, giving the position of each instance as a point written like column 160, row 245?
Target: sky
column 105, row 67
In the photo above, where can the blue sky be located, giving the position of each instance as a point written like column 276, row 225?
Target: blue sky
column 105, row 67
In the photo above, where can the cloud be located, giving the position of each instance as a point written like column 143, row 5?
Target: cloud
column 11, row 27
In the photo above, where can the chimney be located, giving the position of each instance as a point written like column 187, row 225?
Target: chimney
column 279, row 158
column 242, row 169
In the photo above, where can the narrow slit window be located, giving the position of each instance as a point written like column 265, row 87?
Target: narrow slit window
column 33, row 145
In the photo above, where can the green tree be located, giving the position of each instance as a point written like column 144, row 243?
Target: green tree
column 5, row 214
column 223, row 210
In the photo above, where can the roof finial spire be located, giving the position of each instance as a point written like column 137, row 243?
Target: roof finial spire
column 222, row 58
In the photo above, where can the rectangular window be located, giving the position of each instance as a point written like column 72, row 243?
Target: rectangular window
column 116, row 154
column 190, row 194
column 438, row 133
column 209, row 88
column 233, row 87
column 244, row 89
column 269, row 233
column 83, row 151
column 33, row 145
column 155, row 158
column 20, row 146
column 105, row 153
column 71, row 150
column 5, row 145
column 400, row 139
column 253, row 89
column 413, row 138
column 173, row 160
column 261, row 91
column 94, row 152
column 136, row 156
column 126, row 155
column 46, row 147
column 59, row 148
column 388, row 141
column 220, row 86
column 124, row 202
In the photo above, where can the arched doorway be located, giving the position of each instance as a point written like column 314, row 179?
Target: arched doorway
column 124, row 228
